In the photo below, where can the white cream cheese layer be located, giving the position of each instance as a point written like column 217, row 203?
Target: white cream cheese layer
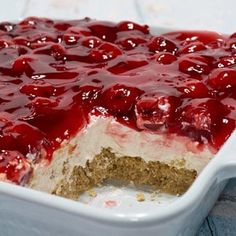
column 104, row 132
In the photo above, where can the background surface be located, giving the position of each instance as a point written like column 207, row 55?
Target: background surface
column 218, row 15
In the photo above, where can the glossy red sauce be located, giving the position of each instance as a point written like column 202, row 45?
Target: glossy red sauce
column 54, row 73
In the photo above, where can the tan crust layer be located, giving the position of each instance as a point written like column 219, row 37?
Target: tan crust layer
column 107, row 166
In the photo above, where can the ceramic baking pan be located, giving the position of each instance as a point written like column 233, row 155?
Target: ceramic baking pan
column 115, row 210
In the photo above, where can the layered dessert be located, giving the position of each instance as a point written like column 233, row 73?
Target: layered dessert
column 83, row 102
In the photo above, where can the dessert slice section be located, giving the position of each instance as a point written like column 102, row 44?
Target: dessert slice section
column 87, row 101
column 107, row 150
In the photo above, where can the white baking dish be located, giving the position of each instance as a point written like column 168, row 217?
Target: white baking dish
column 28, row 212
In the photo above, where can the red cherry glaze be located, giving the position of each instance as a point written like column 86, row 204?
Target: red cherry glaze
column 87, row 94
column 222, row 79
column 21, row 133
column 21, row 41
column 131, row 26
column 22, row 65
column 194, row 89
column 231, row 44
column 104, row 52
column 165, row 58
column 14, row 167
column 38, row 89
column 42, row 106
column 186, row 37
column 32, row 21
column 5, row 43
column 153, row 112
column 104, row 30
column 233, row 35
column 54, row 74
column 120, row 99
column 194, row 65
column 193, row 47
column 54, row 49
column 226, row 61
column 131, row 42
column 91, row 42
column 200, row 117
column 161, row 44
column 124, row 66
column 225, row 128
column 6, row 26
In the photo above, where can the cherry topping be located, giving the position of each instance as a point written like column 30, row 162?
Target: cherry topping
column 14, row 165
column 233, row 35
column 226, row 61
column 193, row 47
column 227, row 126
column 87, row 94
column 201, row 117
column 43, row 106
column 55, row 74
column 124, row 66
column 38, row 88
column 128, row 26
column 192, row 36
column 104, row 52
column 91, row 42
column 23, row 65
column 153, row 112
column 105, row 31
column 194, row 89
column 25, row 137
column 231, row 44
column 5, row 119
column 4, row 43
column 161, row 44
column 21, row 41
column 222, row 79
column 31, row 21
column 6, row 26
column 131, row 42
column 54, row 49
column 62, row 26
column 165, row 58
column 73, row 34
column 120, row 98
column 194, row 64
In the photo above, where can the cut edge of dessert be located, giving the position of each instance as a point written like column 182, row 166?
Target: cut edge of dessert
column 84, row 102
column 110, row 151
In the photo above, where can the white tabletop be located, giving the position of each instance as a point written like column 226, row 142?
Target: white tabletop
column 218, row 15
